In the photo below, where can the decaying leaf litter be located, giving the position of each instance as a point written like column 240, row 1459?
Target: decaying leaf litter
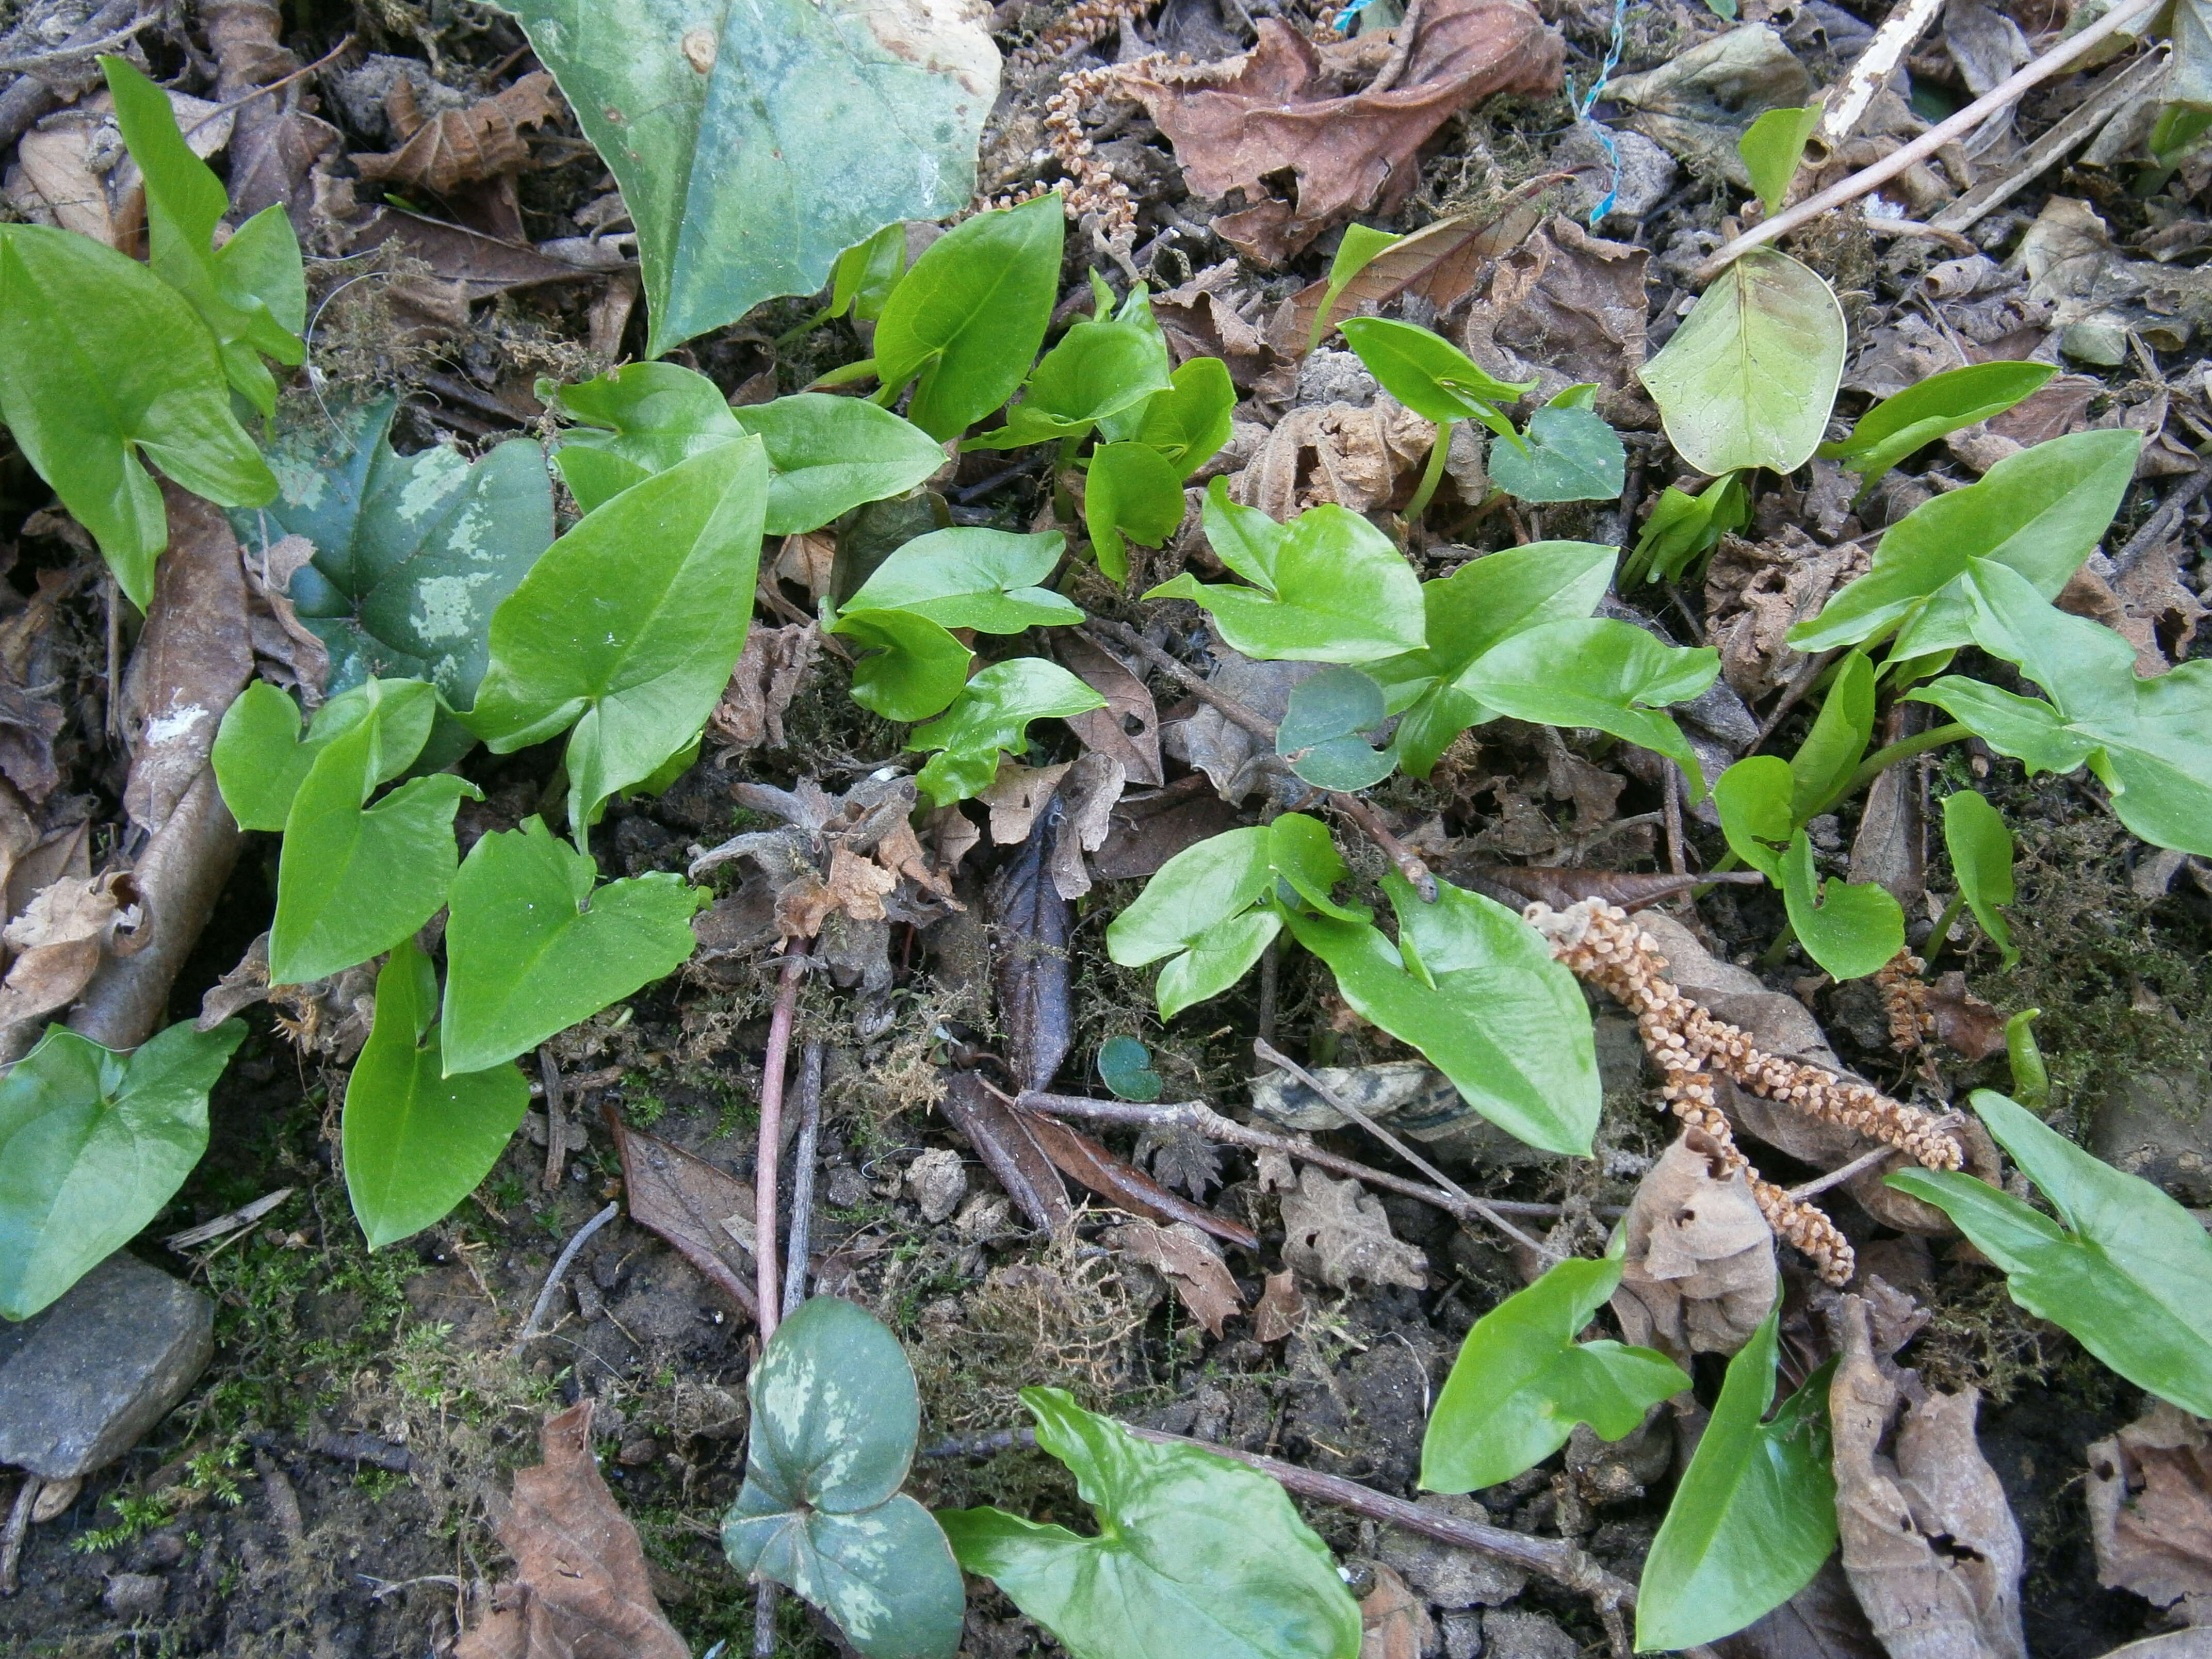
column 923, row 996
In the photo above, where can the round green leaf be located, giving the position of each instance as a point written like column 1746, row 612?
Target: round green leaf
column 1125, row 1065
column 1566, row 455
column 1849, row 928
column 909, row 667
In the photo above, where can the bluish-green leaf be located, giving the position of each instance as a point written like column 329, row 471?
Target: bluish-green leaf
column 1980, row 847
column 1567, row 454
column 1125, row 1065
column 993, row 713
column 1850, row 928
column 1321, row 731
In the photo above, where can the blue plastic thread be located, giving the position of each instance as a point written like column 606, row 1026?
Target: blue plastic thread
column 1584, row 105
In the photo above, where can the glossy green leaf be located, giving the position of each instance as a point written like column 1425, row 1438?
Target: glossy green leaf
column 1188, row 424
column 1328, row 587
column 353, row 880
column 835, row 1414
column 417, row 1142
column 1749, row 377
column 977, row 578
column 1772, row 147
column 251, row 292
column 1102, row 366
column 993, row 713
column 1754, row 1516
column 1682, row 527
column 909, row 667
column 1321, row 734
column 2123, row 1266
column 865, row 273
column 1831, row 750
column 970, row 316
column 1196, row 1557
column 92, row 1143
column 1125, row 1065
column 532, row 946
column 1132, row 493
column 2030, row 1078
column 1850, row 928
column 1430, row 375
column 1474, row 988
column 1753, row 798
column 753, row 145
column 634, row 421
column 828, row 455
column 1521, row 1382
column 2040, row 513
column 628, row 628
column 1567, row 454
column 1354, row 253
column 261, row 755
column 1929, row 409
column 105, row 367
column 2144, row 737
column 413, row 553
column 1596, row 671
column 1980, row 847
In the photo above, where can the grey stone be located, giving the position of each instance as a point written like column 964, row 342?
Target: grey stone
column 1646, row 172
column 1335, row 377
column 937, row 1183
column 1528, row 1636
column 1447, row 1576
column 1463, row 1633
column 82, row 1380
column 134, row 1595
column 2155, row 1125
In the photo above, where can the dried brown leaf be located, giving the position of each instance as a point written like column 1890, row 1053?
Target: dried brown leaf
column 683, row 1198
column 1393, row 1622
column 1566, row 309
column 1123, row 1183
column 1318, row 453
column 1088, row 795
column 459, row 146
column 768, row 675
column 1127, row 728
column 1202, row 319
column 286, row 651
column 1441, row 261
column 28, row 725
column 1193, row 1267
column 1016, row 795
column 1003, row 1139
column 1279, row 1309
column 581, row 1588
column 1757, row 591
column 1336, row 1232
column 1822, row 1621
column 855, row 888
column 1965, row 1024
column 1144, row 831
column 2150, row 1506
column 1029, row 962
column 1700, row 1274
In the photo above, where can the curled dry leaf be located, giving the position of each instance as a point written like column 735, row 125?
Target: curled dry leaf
column 580, row 1588
column 1016, row 795
column 1279, row 1309
column 1207, row 317
column 28, row 725
column 1757, row 591
column 60, row 938
column 287, row 653
column 1193, row 1267
column 1442, row 262
column 72, row 170
column 1005, row 1140
column 1144, row 831
column 684, row 1200
column 855, row 887
column 1336, row 1232
column 459, row 146
column 1127, row 729
column 1357, row 458
column 768, row 675
column 1275, row 111
column 1028, row 959
column 1566, row 309
column 1928, row 1540
column 1124, row 1184
column 1699, row 1275
column 2150, row 1507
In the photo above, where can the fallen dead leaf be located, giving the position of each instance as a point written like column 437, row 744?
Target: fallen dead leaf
column 28, row 725
column 683, row 1198
column 768, row 675
column 1358, row 458
column 275, row 142
column 60, row 939
column 1335, row 1232
column 1193, row 1267
column 1442, row 263
column 1698, row 103
column 1144, row 831
column 286, row 651
column 1822, row 1621
column 1210, row 317
column 1699, row 1274
column 1016, row 795
column 1566, row 309
column 855, row 887
column 1127, row 729
column 1122, row 1184
column 1279, row 1309
column 1393, row 1622
column 459, row 146
column 1002, row 1137
column 1181, row 1158
column 1275, row 111
column 1965, row 1024
column 1757, row 591
column 581, row 1588
column 2149, row 1488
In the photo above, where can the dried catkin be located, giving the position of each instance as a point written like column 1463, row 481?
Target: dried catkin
column 1905, row 1000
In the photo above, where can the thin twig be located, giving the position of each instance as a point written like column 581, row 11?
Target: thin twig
column 556, row 1118
column 1409, row 863
column 561, row 1263
column 1864, row 1161
column 1670, row 803
column 2162, row 523
column 1870, row 179
column 1402, row 53
column 770, row 1290
column 802, row 1175
column 278, row 85
column 62, row 56
column 1271, row 1055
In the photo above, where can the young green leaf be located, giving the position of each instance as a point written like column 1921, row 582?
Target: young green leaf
column 865, row 273
column 628, row 626
column 1826, row 761
column 413, row 553
column 1353, row 254
column 353, row 880
column 1328, row 587
column 1749, row 377
column 909, row 667
column 971, row 313
column 2124, row 1267
column 1522, row 1382
column 634, row 421
column 416, row 1141
column 1930, row 409
column 977, row 578
column 1595, row 672
column 1849, row 928
column 1132, row 493
column 1188, row 424
column 1980, row 847
column 93, row 1143
column 835, row 1414
column 752, row 147
column 1755, row 1514
column 2040, row 513
column 1568, row 455
column 533, row 947
column 261, row 757
column 1471, row 986
column 1681, row 527
column 1196, row 1557
column 1772, row 148
column 105, row 367
column 1430, row 375
column 1753, row 798
column 993, row 711
column 2145, row 738
column 1125, row 1065
column 1321, row 735
column 1102, row 366
column 251, row 292
column 828, row 455
column 2030, row 1078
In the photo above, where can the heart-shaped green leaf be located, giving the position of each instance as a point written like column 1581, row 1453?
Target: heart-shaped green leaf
column 993, row 713
column 103, row 367
column 1131, row 492
column 909, row 667
column 1125, row 1065
column 532, row 946
column 1430, row 375
column 1980, row 847
column 416, row 1142
column 977, row 578
column 261, row 757
column 1321, row 734
column 628, row 626
column 1753, row 798
column 1102, row 366
column 1568, row 455
column 1188, row 424
column 1521, row 1382
column 1849, row 928
column 93, row 1143
column 835, row 1414
column 755, row 144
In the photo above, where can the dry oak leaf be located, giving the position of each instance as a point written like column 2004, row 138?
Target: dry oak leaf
column 1393, row 1622
column 1357, row 458
column 460, row 146
column 1127, row 729
column 580, row 1588
column 1186, row 1259
column 61, row 937
column 1336, row 1232
column 1699, row 1274
column 1279, row 1309
column 1928, row 1540
column 2150, row 1506
column 1277, row 110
